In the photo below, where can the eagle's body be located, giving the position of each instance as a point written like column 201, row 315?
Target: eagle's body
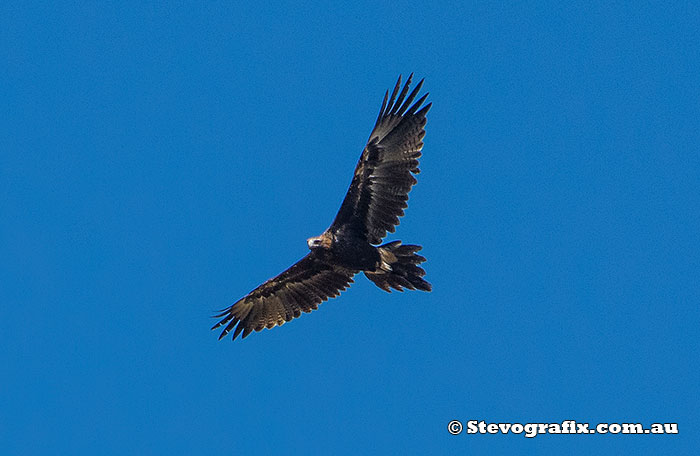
column 348, row 250
column 375, row 200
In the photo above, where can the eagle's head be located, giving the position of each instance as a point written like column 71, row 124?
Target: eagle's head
column 323, row 241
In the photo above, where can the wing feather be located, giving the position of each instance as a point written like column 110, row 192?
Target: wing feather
column 384, row 174
column 301, row 288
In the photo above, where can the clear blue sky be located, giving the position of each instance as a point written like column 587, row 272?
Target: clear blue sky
column 159, row 162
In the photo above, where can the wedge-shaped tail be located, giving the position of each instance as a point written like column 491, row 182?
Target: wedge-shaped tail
column 399, row 268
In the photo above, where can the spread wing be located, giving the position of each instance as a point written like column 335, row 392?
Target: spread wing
column 384, row 174
column 301, row 288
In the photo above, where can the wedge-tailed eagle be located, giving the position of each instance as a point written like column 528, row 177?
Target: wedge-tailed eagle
column 374, row 202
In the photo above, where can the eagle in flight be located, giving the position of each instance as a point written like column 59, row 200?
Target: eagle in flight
column 372, row 206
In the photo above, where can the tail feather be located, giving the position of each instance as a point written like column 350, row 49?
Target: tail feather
column 399, row 268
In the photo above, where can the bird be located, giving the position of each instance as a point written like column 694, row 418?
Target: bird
column 377, row 197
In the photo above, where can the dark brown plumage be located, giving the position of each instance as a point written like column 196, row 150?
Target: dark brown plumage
column 377, row 196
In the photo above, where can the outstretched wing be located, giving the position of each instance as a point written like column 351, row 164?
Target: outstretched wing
column 301, row 288
column 384, row 175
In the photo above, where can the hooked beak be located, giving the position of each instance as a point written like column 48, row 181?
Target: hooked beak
column 323, row 241
column 314, row 242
